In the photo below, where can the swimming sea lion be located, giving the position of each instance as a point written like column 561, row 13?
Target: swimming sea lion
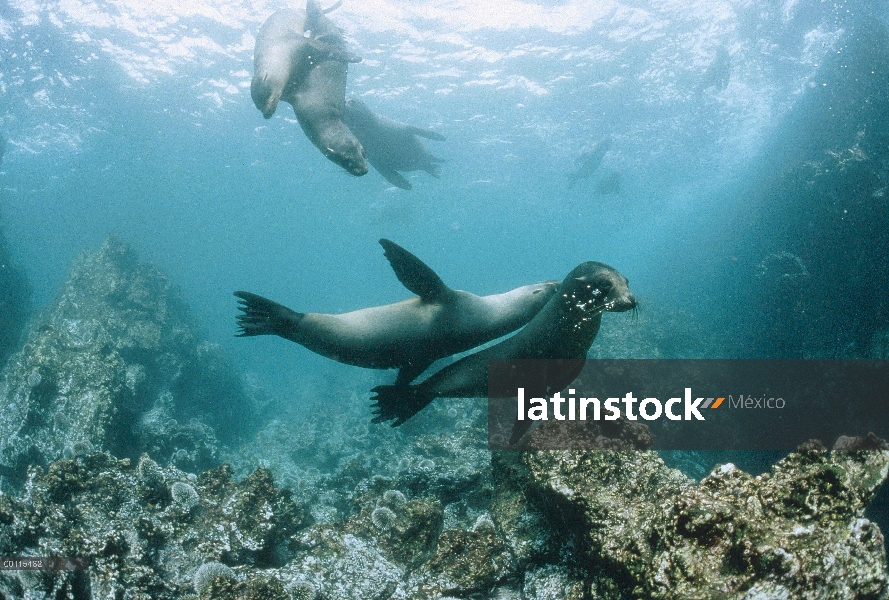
column 283, row 56
column 408, row 335
column 563, row 329
column 310, row 74
column 391, row 146
column 319, row 100
column 589, row 161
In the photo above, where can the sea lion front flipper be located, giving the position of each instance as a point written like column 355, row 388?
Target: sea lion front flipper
column 425, row 133
column 410, row 371
column 414, row 274
column 394, row 177
column 519, row 429
column 399, row 403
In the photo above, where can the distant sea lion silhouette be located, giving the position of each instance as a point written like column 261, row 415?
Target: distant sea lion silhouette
column 310, row 74
column 408, row 335
column 610, row 184
column 391, row 146
column 563, row 329
column 588, row 162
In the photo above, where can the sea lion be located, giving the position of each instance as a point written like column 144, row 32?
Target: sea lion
column 283, row 56
column 588, row 162
column 564, row 329
column 319, row 100
column 408, row 335
column 310, row 74
column 391, row 146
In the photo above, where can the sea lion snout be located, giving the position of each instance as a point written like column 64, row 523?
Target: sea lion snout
column 547, row 286
column 351, row 158
column 602, row 286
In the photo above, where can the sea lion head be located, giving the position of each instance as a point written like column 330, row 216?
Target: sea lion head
column 266, row 92
column 594, row 287
column 347, row 152
column 529, row 299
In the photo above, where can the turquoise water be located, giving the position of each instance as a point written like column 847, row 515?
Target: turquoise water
column 751, row 218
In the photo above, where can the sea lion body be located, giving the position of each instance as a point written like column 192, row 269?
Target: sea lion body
column 391, row 146
column 408, row 335
column 319, row 101
column 563, row 329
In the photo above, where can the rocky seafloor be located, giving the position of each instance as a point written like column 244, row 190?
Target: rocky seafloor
column 128, row 439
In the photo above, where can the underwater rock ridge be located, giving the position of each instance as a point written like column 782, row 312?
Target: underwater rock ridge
column 117, row 363
column 559, row 525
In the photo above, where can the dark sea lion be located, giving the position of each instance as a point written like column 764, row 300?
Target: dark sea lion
column 564, row 329
column 408, row 335
column 391, row 146
column 283, row 56
column 588, row 162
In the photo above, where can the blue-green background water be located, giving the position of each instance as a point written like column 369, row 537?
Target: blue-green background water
column 135, row 118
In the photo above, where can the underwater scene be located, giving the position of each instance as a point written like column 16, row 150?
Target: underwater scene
column 255, row 257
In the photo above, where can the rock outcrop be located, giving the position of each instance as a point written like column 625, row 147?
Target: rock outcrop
column 561, row 525
column 117, row 364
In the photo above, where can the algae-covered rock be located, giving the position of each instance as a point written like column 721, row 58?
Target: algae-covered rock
column 148, row 548
column 117, row 362
column 572, row 525
column 644, row 530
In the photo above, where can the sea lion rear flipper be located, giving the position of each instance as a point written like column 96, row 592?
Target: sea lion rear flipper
column 399, row 403
column 425, row 133
column 411, row 371
column 394, row 177
column 414, row 274
column 265, row 317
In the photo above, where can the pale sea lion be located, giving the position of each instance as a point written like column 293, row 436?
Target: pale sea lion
column 588, row 162
column 391, row 146
column 408, row 335
column 283, row 56
column 564, row 329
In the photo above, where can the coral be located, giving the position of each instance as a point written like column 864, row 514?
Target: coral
column 207, row 572
column 393, row 498
column 302, row 590
column 382, row 518
column 185, row 497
